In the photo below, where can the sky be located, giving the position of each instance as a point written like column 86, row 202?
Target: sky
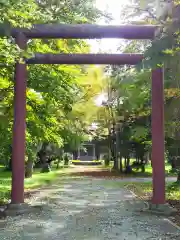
column 114, row 8
column 108, row 45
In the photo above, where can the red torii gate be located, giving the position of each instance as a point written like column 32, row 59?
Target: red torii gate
column 85, row 31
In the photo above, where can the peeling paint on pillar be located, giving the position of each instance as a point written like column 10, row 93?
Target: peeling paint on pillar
column 19, row 128
column 158, row 161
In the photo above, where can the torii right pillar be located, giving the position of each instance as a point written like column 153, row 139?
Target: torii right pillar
column 157, row 123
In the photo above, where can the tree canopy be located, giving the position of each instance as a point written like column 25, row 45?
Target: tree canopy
column 57, row 95
column 61, row 99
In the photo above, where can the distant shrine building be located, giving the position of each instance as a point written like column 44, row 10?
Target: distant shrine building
column 87, row 152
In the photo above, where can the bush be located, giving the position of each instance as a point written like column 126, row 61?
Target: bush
column 106, row 160
column 66, row 159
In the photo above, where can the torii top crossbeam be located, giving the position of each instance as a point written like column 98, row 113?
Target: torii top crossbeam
column 87, row 31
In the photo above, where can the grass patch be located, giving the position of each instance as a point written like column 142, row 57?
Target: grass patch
column 173, row 191
column 38, row 180
column 167, row 170
column 144, row 189
column 148, row 170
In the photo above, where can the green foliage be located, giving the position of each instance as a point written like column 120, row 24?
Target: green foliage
column 66, row 159
column 139, row 132
column 54, row 93
column 106, row 160
column 132, row 87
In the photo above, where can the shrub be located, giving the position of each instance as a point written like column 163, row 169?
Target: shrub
column 106, row 160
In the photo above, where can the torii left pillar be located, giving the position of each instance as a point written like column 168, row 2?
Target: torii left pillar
column 19, row 127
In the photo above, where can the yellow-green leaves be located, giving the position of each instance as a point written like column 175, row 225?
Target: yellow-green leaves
column 143, row 4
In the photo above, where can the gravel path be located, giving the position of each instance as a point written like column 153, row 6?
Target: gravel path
column 87, row 209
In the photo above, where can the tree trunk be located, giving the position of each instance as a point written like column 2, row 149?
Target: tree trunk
column 29, row 169
column 115, row 167
column 45, row 164
column 115, row 159
column 125, row 162
column 127, row 165
column 117, row 148
column 143, row 168
column 121, row 166
column 178, row 176
column 173, row 164
column 58, row 162
column 75, row 155
column 128, row 161
column 66, row 161
column 9, row 166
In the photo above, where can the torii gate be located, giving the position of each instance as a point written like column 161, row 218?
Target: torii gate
column 85, row 31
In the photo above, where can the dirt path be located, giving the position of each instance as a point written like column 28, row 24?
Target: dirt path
column 87, row 208
column 103, row 173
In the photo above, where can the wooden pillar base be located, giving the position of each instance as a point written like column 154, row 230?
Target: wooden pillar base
column 162, row 209
column 20, row 209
